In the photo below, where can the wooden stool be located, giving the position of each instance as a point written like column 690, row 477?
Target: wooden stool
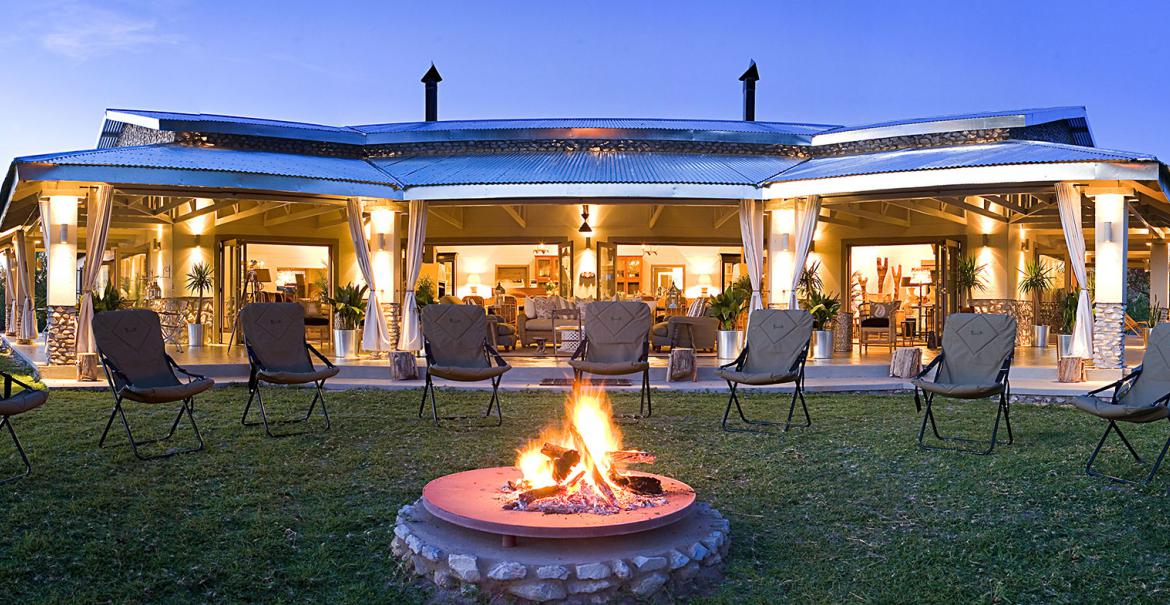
column 906, row 362
column 403, row 365
column 682, row 365
column 87, row 366
column 541, row 344
column 1070, row 369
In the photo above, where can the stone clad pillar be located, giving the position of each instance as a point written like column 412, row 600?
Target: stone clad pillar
column 61, row 248
column 1111, row 250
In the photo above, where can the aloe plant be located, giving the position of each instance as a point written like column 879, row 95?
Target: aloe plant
column 349, row 305
column 199, row 280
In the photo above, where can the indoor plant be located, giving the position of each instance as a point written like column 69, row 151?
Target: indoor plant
column 198, row 280
column 349, row 309
column 823, row 308
column 424, row 292
column 110, row 299
column 726, row 308
column 1035, row 280
column 1066, row 306
column 968, row 278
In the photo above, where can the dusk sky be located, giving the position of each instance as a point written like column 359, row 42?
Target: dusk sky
column 360, row 62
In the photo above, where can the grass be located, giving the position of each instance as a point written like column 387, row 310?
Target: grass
column 849, row 510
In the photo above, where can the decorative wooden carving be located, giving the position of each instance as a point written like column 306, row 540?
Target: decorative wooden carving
column 897, row 282
column 883, row 266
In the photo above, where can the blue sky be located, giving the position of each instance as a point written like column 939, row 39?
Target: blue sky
column 359, row 62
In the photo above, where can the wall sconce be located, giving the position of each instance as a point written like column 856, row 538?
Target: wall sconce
column 157, row 245
column 380, row 241
column 812, row 246
column 986, row 240
column 784, row 240
column 1108, row 231
column 198, row 238
column 1025, row 245
column 585, row 228
column 63, row 233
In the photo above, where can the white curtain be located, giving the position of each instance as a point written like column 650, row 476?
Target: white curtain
column 751, row 231
column 1068, row 201
column 416, row 234
column 375, row 336
column 805, row 213
column 24, row 290
column 97, row 229
column 9, row 293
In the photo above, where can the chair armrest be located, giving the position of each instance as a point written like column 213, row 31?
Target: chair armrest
column 314, row 351
column 176, row 366
column 9, row 380
column 1006, row 368
column 1116, row 385
column 930, row 366
column 493, row 354
column 582, row 346
column 738, row 363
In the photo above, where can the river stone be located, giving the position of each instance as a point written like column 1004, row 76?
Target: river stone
column 698, row 552
column 413, row 543
column 508, row 570
column 445, row 580
column 539, row 590
column 620, row 569
column 398, row 547
column 593, row 571
column 648, row 584
column 589, row 586
column 677, row 559
column 688, row 571
column 430, row 553
column 464, row 566
column 649, row 563
column 552, row 572
column 713, row 541
column 401, row 531
column 714, row 559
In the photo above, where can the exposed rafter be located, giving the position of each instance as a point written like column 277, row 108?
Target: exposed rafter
column 278, row 219
column 656, row 213
column 451, row 216
column 879, row 216
column 721, row 219
column 208, row 209
column 517, row 214
column 239, row 215
column 920, row 207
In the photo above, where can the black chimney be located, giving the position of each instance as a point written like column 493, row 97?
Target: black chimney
column 748, row 78
column 431, row 79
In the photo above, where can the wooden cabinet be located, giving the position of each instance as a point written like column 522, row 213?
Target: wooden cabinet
column 629, row 274
column 546, row 268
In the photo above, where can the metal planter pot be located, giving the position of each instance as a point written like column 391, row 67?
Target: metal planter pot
column 1065, row 343
column 1040, row 337
column 195, row 335
column 728, row 344
column 345, row 343
column 822, row 344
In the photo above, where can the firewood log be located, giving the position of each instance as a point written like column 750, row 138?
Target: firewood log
column 598, row 479
column 632, row 457
column 535, row 494
column 564, row 460
column 646, row 486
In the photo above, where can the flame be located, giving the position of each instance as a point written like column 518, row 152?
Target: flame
column 588, row 428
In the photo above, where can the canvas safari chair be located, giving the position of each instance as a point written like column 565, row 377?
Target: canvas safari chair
column 18, row 403
column 457, row 348
column 775, row 351
column 616, row 342
column 130, row 346
column 278, row 353
column 976, row 357
column 1140, row 397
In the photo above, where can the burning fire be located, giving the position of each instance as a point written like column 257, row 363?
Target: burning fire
column 579, row 467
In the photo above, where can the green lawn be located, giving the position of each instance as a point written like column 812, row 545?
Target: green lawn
column 849, row 510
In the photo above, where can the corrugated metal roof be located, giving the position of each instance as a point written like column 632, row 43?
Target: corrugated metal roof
column 172, row 116
column 185, row 157
column 582, row 167
column 1030, row 116
column 604, row 123
column 936, row 158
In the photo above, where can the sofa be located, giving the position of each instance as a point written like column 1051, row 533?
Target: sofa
column 694, row 324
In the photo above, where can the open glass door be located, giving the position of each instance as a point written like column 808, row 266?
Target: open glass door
column 230, row 287
column 946, row 296
column 565, row 270
column 606, row 270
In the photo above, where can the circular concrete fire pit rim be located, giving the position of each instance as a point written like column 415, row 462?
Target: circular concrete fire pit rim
column 470, row 499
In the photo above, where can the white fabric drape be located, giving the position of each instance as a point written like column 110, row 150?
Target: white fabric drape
column 416, row 234
column 805, row 212
column 97, row 229
column 375, row 336
column 24, row 290
column 1068, row 201
column 9, row 294
column 751, row 231
column 44, row 207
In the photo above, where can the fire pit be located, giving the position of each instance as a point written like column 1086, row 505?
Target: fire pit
column 571, row 522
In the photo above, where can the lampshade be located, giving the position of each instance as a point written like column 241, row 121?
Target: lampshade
column 705, row 279
column 585, row 228
column 262, row 275
column 920, row 277
column 473, row 279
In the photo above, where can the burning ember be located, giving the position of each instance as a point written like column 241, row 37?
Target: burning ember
column 580, row 467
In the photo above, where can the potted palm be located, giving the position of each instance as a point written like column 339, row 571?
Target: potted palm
column 199, row 281
column 968, row 278
column 349, row 309
column 1035, row 280
column 726, row 308
column 1066, row 307
column 823, row 308
column 424, row 292
column 110, row 299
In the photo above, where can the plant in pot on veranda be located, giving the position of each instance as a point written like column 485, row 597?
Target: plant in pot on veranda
column 726, row 307
column 823, row 308
column 349, row 309
column 1036, row 279
column 198, row 281
column 1066, row 308
column 968, row 279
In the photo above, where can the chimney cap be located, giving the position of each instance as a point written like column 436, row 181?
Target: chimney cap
column 750, row 75
column 432, row 76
